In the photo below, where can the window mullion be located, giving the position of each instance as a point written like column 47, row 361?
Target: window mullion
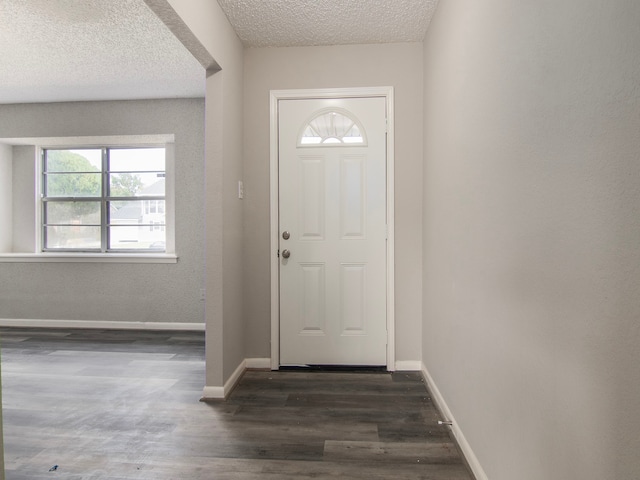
column 104, row 210
column 43, row 195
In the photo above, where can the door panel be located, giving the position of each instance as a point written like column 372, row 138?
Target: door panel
column 312, row 311
column 332, row 201
column 352, row 299
column 312, row 203
column 352, row 196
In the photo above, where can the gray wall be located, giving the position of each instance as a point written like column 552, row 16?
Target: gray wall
column 531, row 231
column 6, row 191
column 397, row 65
column 115, row 292
column 224, row 211
column 24, row 208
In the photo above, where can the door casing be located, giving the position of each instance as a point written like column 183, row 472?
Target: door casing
column 275, row 96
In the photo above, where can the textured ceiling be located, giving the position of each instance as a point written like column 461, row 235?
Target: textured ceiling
column 285, row 23
column 66, row 50
column 74, row 50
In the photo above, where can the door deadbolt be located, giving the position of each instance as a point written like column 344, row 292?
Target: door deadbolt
column 286, row 254
column 286, row 235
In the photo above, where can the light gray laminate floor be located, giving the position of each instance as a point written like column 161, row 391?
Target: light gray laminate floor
column 125, row 405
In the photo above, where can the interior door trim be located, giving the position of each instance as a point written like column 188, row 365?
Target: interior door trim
column 275, row 96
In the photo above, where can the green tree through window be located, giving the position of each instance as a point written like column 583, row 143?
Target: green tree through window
column 126, row 185
column 72, row 175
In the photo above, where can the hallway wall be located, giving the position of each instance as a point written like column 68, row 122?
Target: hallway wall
column 398, row 65
column 212, row 34
column 531, row 230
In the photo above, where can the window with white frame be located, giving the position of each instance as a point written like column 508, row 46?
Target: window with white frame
column 104, row 199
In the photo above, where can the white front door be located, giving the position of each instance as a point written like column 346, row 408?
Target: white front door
column 332, row 238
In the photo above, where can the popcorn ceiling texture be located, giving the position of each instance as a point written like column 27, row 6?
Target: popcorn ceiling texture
column 59, row 50
column 284, row 23
column 75, row 50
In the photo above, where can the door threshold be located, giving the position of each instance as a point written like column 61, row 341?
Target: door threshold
column 335, row 368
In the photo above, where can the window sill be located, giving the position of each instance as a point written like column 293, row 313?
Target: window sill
column 87, row 258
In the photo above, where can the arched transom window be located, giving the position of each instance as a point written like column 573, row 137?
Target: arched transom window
column 332, row 127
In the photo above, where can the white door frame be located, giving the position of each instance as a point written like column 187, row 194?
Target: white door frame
column 387, row 94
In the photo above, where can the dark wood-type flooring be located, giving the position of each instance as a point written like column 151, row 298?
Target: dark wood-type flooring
column 99, row 404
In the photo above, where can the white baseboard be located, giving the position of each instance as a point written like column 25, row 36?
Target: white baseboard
column 212, row 393
column 220, row 393
column 408, row 365
column 101, row 324
column 467, row 451
column 258, row 363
